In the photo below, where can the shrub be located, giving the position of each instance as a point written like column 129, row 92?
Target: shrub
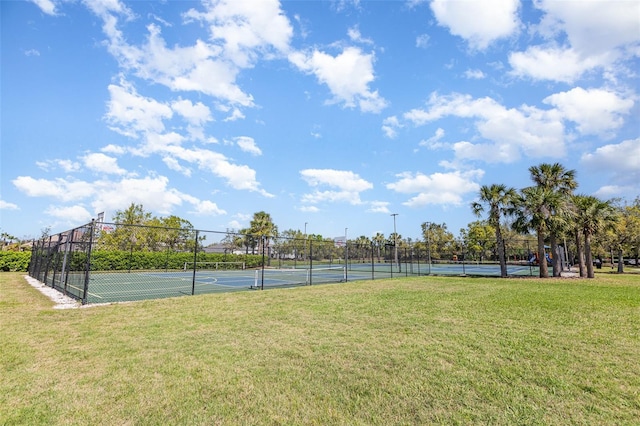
column 15, row 261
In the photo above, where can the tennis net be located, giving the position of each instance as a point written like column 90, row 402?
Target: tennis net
column 269, row 277
column 214, row 266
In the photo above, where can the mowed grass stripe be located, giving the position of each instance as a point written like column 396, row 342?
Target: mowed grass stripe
column 404, row 351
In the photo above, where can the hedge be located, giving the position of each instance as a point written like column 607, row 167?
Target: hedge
column 14, row 261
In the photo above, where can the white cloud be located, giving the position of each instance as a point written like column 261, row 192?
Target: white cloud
column 611, row 191
column 151, row 191
column 245, row 29
column 173, row 164
column 347, row 75
column 309, row 209
column 378, row 207
column 599, row 34
column 390, row 126
column 131, row 114
column 102, row 163
column 59, row 188
column 207, row 208
column 551, row 63
column 622, row 161
column 47, row 6
column 479, row 23
column 356, row 37
column 141, row 117
column 438, row 188
column 5, row 205
column 593, row 27
column 32, row 52
column 237, row 176
column 195, row 114
column 422, row 41
column 113, row 149
column 66, row 165
column 507, row 132
column 474, row 74
column 342, row 179
column 434, row 141
column 247, row 144
column 203, row 207
column 596, row 111
column 348, row 186
column 70, row 214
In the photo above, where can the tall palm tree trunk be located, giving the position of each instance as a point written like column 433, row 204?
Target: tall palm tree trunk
column 542, row 259
column 589, row 258
column 503, row 262
column 555, row 255
column 580, row 249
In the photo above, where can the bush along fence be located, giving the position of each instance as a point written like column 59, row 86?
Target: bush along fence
column 106, row 262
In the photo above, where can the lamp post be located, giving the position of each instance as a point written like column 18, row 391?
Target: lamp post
column 395, row 241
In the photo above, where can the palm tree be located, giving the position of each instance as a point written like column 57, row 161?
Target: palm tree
column 363, row 243
column 497, row 198
column 262, row 226
column 554, row 177
column 592, row 215
column 534, row 208
column 378, row 241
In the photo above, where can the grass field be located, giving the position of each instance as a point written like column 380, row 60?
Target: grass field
column 425, row 350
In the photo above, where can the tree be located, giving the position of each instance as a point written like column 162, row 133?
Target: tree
column 533, row 209
column 262, row 227
column 439, row 239
column 496, row 198
column 378, row 242
column 363, row 244
column 554, row 177
column 592, row 215
column 479, row 238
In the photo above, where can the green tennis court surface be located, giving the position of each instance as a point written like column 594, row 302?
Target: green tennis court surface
column 105, row 287
column 108, row 287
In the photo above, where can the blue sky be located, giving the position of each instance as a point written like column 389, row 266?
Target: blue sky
column 336, row 114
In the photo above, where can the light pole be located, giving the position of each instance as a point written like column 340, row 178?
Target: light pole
column 395, row 240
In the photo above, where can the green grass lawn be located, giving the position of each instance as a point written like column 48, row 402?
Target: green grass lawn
column 419, row 350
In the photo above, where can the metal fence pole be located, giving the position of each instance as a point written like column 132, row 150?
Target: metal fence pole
column 263, row 263
column 310, row 261
column 195, row 262
column 87, row 268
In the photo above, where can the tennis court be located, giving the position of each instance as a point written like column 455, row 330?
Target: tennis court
column 449, row 268
column 108, row 287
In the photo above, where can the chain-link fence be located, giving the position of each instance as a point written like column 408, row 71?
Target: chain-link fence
column 110, row 262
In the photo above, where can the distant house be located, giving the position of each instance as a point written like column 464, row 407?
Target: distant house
column 216, row 248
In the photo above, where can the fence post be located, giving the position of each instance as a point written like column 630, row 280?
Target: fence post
column 262, row 279
column 195, row 261
column 373, row 267
column 310, row 261
column 87, row 268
